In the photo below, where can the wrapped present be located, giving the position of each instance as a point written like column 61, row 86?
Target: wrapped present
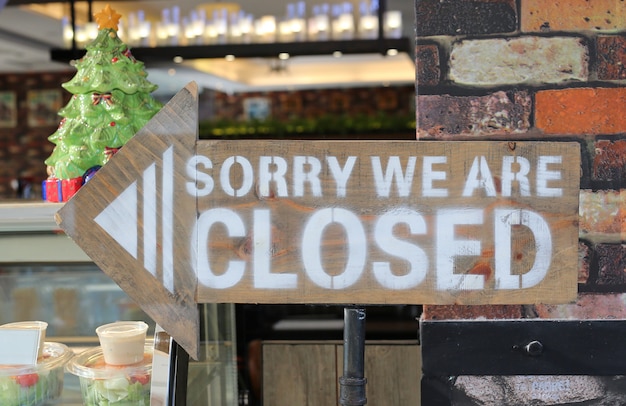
column 61, row 190
column 53, row 191
column 69, row 187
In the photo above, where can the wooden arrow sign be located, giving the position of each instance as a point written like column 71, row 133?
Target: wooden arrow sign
column 129, row 219
column 176, row 221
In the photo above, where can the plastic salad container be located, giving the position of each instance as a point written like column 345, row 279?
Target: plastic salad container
column 34, row 385
column 104, row 384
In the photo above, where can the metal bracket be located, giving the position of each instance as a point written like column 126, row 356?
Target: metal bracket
column 523, row 347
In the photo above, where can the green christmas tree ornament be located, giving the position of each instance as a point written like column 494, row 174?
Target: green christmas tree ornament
column 111, row 101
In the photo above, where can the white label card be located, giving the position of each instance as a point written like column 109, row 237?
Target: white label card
column 160, row 368
column 19, row 346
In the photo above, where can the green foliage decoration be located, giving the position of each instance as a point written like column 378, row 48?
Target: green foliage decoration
column 326, row 125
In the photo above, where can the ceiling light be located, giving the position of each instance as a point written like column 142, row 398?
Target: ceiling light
column 337, row 54
column 283, row 56
column 178, row 59
column 229, row 57
column 392, row 52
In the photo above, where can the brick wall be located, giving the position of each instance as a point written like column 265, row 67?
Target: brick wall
column 536, row 70
column 284, row 105
column 482, row 78
column 24, row 147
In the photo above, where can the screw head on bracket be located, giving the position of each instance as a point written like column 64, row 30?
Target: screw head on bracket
column 533, row 348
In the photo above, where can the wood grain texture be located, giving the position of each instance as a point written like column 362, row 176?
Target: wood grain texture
column 290, row 213
column 308, row 372
column 299, row 374
column 392, row 370
column 174, row 126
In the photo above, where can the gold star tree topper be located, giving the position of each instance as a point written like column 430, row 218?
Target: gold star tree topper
column 107, row 18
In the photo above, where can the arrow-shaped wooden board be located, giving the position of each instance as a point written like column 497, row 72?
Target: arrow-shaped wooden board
column 177, row 221
column 130, row 219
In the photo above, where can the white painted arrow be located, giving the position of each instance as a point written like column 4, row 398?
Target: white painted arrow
column 116, row 217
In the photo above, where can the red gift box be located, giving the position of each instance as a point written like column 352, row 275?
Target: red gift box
column 69, row 187
column 61, row 190
column 53, row 191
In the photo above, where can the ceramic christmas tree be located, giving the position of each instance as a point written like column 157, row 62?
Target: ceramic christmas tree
column 111, row 101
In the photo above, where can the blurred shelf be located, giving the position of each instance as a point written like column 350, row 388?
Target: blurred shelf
column 28, row 216
column 167, row 54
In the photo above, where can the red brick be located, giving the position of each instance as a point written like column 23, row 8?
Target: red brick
column 611, row 264
column 609, row 161
column 427, row 65
column 611, row 55
column 15, row 150
column 572, row 15
column 497, row 113
column 462, row 312
column 587, row 307
column 581, row 111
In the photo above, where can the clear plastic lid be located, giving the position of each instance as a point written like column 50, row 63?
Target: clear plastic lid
column 54, row 355
column 122, row 329
column 90, row 364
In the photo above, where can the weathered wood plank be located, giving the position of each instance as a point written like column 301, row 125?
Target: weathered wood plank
column 392, row 371
column 299, row 374
column 322, row 241
column 308, row 372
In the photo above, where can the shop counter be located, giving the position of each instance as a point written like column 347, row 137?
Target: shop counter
column 45, row 276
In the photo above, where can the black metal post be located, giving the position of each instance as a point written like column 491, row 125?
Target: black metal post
column 89, row 10
column 179, row 369
column 352, row 383
column 382, row 8
column 73, row 23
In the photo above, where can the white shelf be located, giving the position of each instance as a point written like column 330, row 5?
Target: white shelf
column 28, row 217
column 29, row 234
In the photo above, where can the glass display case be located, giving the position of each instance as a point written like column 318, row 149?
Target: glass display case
column 45, row 276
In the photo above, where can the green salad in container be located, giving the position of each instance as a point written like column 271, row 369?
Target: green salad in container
column 103, row 384
column 34, row 385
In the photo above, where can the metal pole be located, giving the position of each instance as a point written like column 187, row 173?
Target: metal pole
column 73, row 22
column 352, row 383
column 90, row 10
column 382, row 8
